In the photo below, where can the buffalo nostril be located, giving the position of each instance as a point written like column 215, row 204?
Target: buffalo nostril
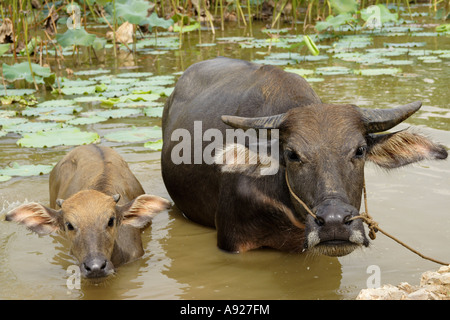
column 103, row 266
column 348, row 219
column 319, row 221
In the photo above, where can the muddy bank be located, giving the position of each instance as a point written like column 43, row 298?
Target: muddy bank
column 434, row 285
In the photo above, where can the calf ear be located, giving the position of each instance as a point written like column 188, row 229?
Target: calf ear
column 140, row 211
column 400, row 148
column 36, row 217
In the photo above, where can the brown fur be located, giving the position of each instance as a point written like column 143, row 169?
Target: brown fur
column 100, row 230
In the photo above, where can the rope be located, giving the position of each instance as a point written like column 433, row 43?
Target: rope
column 365, row 216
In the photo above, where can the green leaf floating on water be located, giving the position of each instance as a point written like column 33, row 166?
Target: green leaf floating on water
column 4, row 178
column 155, row 21
column 135, row 134
column 154, row 145
column 25, row 170
column 77, row 37
column 333, row 70
column 21, row 71
column 377, row 71
column 133, row 11
column 344, row 6
column 69, row 136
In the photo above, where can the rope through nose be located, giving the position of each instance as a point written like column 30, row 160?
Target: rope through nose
column 297, row 198
column 365, row 216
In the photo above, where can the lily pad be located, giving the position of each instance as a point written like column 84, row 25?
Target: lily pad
column 133, row 11
column 154, row 112
column 91, row 72
column 86, row 120
column 56, row 103
column 405, row 44
column 135, row 134
column 4, row 178
column 25, row 170
column 154, row 145
column 32, row 126
column 69, row 136
column 56, row 117
column 378, row 71
column 78, row 90
column 75, row 37
column 4, row 122
column 17, row 92
column 119, row 113
column 77, row 83
column 46, row 110
column 333, row 70
column 21, row 71
column 134, row 74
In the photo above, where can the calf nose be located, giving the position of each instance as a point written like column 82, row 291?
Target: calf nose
column 96, row 267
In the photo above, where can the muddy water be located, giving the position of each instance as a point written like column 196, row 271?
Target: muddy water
column 182, row 260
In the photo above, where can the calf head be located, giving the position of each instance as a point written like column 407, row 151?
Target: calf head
column 323, row 149
column 91, row 221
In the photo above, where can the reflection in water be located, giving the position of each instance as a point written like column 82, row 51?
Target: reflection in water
column 260, row 274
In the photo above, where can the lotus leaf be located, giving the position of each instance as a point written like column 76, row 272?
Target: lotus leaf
column 32, row 126
column 69, row 136
column 154, row 112
column 25, row 170
column 133, row 11
column 75, row 37
column 154, row 145
column 21, row 71
column 86, row 120
column 119, row 113
column 377, row 71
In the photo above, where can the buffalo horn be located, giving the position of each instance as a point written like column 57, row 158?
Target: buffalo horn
column 270, row 122
column 378, row 120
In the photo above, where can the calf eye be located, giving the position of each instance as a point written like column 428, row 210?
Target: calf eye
column 69, row 226
column 111, row 222
column 360, row 152
column 292, row 156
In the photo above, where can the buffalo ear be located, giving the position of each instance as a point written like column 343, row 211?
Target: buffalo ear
column 393, row 150
column 140, row 211
column 36, row 217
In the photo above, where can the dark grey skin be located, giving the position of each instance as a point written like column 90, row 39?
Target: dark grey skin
column 98, row 205
column 322, row 148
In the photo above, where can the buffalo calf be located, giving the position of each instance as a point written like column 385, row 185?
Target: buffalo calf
column 99, row 205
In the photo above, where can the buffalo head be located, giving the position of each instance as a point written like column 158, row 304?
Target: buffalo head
column 323, row 149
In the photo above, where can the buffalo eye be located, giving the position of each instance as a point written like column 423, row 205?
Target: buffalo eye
column 111, row 222
column 360, row 152
column 70, row 226
column 291, row 155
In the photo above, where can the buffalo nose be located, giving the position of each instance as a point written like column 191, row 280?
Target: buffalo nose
column 335, row 218
column 96, row 267
column 335, row 213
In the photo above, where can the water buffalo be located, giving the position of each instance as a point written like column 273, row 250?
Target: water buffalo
column 103, row 211
column 321, row 148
